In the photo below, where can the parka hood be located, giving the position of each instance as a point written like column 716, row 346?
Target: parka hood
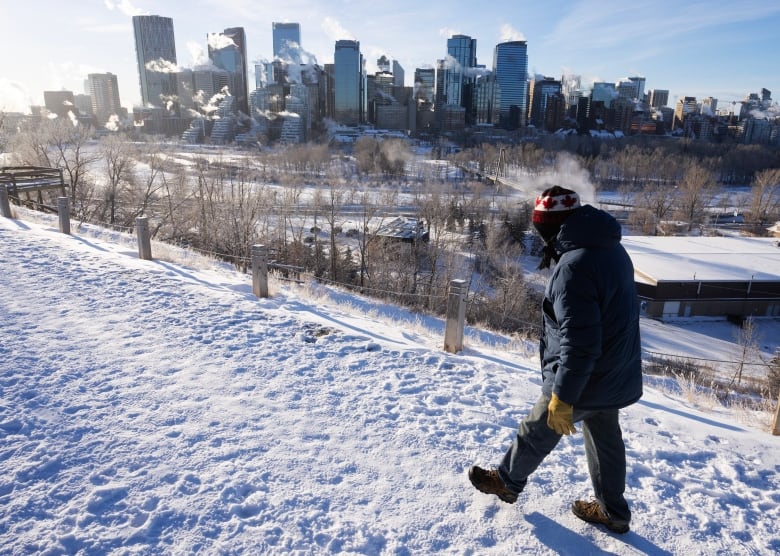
column 588, row 227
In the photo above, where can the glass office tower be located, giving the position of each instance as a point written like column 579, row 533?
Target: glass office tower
column 155, row 50
column 349, row 80
column 510, row 65
column 283, row 35
column 232, row 59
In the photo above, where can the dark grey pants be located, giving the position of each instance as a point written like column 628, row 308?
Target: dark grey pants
column 604, row 449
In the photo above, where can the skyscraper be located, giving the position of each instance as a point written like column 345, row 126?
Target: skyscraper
column 461, row 55
column 685, row 107
column 510, row 65
column 227, row 51
column 398, row 74
column 104, row 92
column 348, row 76
column 424, row 85
column 155, row 50
column 541, row 93
column 659, row 97
column 284, row 34
column 632, row 88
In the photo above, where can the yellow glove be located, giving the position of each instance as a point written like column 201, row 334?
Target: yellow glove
column 560, row 416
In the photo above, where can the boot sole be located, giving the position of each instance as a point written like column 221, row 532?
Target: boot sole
column 508, row 498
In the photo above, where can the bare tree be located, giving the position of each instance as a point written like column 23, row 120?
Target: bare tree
column 333, row 201
column 242, row 200
column 68, row 142
column 30, row 146
column 119, row 166
column 369, row 210
column 764, row 197
column 694, row 193
column 748, row 343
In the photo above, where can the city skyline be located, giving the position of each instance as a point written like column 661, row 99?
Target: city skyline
column 699, row 49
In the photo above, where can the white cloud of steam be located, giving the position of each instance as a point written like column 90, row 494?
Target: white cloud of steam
column 335, row 30
column 566, row 172
column 447, row 32
column 451, row 63
column 770, row 113
column 124, row 6
column 477, row 72
column 14, row 97
column 199, row 97
column 113, row 123
column 73, row 118
column 292, row 53
column 162, row 66
column 217, row 41
column 509, row 33
column 169, row 101
column 198, row 54
column 213, row 103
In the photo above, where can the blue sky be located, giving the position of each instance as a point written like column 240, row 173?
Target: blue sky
column 723, row 49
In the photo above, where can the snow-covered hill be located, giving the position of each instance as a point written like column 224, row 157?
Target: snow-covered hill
column 152, row 407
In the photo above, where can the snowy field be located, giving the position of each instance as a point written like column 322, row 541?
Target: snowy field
column 157, row 407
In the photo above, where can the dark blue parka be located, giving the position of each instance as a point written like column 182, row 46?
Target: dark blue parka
column 590, row 348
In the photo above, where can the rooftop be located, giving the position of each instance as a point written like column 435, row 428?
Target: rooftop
column 694, row 258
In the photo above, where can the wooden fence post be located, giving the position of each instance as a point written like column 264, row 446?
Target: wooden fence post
column 144, row 241
column 776, row 422
column 260, row 270
column 456, row 317
column 5, row 206
column 63, row 211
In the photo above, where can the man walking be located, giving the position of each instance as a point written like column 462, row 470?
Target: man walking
column 590, row 357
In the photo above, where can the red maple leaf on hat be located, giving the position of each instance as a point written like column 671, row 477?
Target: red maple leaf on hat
column 548, row 202
column 569, row 201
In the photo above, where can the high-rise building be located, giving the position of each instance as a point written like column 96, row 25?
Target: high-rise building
column 640, row 85
column 155, row 50
column 60, row 103
column 461, row 56
column 84, row 104
column 424, row 85
column 709, row 106
column 227, row 51
column 571, row 87
column 285, row 35
column 632, row 88
column 659, row 98
column 349, row 91
column 398, row 74
column 487, row 99
column 541, row 90
column 104, row 91
column 685, row 106
column 510, row 65
column 383, row 64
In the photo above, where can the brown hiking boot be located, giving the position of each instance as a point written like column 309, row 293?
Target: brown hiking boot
column 488, row 481
column 592, row 513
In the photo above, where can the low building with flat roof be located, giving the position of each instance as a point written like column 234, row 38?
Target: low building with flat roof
column 706, row 276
